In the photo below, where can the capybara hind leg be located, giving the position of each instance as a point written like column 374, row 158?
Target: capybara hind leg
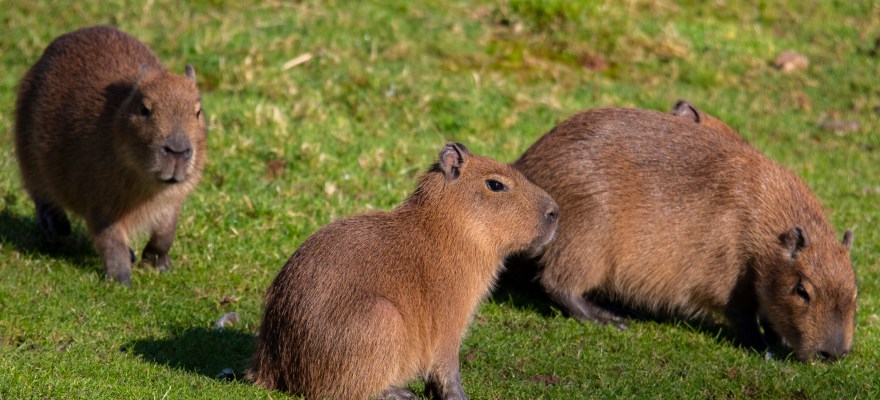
column 396, row 393
column 579, row 307
column 156, row 252
column 112, row 244
column 51, row 218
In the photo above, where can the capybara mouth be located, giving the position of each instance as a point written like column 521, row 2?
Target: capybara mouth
column 537, row 246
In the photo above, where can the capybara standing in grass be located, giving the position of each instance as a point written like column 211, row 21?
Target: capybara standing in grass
column 369, row 302
column 669, row 216
column 104, row 131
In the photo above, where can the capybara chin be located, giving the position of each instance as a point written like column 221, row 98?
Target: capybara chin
column 104, row 131
column 669, row 216
column 370, row 302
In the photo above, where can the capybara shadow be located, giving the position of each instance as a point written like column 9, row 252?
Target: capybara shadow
column 663, row 214
column 20, row 232
column 205, row 351
column 105, row 132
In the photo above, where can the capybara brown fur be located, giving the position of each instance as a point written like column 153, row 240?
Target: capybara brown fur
column 104, row 131
column 668, row 216
column 370, row 302
column 687, row 110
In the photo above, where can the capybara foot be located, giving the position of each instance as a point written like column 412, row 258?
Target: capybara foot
column 396, row 393
column 162, row 262
column 119, row 275
column 52, row 219
column 578, row 307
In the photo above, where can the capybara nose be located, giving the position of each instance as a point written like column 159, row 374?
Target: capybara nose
column 178, row 146
column 552, row 212
column 832, row 355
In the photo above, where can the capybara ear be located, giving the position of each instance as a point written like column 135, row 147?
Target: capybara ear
column 794, row 241
column 684, row 108
column 847, row 239
column 452, row 157
column 191, row 73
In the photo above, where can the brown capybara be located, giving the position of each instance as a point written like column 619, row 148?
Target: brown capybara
column 685, row 109
column 369, row 302
column 104, row 131
column 672, row 217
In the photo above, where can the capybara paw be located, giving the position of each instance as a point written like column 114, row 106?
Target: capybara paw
column 53, row 221
column 161, row 262
column 396, row 393
column 121, row 276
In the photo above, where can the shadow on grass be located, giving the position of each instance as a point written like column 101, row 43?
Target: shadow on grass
column 517, row 287
column 22, row 233
column 206, row 351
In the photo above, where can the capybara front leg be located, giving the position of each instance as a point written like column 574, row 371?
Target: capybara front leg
column 52, row 218
column 396, row 393
column 112, row 244
column 444, row 382
column 744, row 322
column 156, row 251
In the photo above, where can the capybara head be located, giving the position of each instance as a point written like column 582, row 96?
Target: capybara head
column 809, row 295
column 161, row 126
column 501, row 205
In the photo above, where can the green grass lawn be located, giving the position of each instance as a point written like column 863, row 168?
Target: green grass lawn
column 385, row 85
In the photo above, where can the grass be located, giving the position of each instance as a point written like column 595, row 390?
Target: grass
column 348, row 131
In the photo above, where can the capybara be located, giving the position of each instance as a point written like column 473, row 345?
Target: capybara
column 104, row 131
column 369, row 302
column 685, row 109
column 668, row 216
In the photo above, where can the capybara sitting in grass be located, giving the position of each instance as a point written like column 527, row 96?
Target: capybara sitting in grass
column 370, row 302
column 104, row 131
column 669, row 216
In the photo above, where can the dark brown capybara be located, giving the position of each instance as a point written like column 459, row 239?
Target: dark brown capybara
column 669, row 216
column 685, row 109
column 370, row 302
column 104, row 131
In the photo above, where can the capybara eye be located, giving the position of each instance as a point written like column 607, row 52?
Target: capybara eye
column 145, row 111
column 802, row 291
column 495, row 186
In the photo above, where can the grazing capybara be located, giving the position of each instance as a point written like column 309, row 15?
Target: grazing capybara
column 685, row 109
column 369, row 302
column 104, row 131
column 672, row 217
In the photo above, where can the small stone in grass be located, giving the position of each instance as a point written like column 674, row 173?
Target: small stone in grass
column 226, row 374
column 226, row 320
column 791, row 61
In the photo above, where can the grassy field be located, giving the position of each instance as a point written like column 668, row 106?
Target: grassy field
column 323, row 109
